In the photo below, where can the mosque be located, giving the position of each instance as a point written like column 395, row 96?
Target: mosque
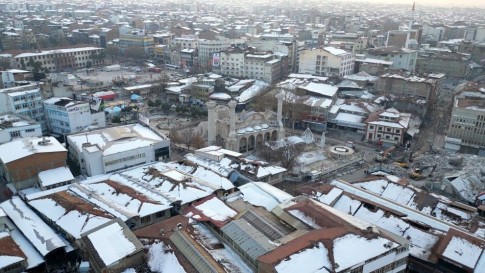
column 244, row 131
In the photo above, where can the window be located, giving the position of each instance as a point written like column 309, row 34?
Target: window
column 15, row 134
column 145, row 219
column 160, row 214
column 388, row 129
column 379, row 128
column 29, row 130
column 398, row 131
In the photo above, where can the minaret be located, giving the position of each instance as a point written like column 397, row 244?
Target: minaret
column 232, row 125
column 231, row 142
column 279, row 116
column 211, row 125
column 410, row 26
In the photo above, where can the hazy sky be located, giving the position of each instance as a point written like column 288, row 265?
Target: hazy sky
column 463, row 3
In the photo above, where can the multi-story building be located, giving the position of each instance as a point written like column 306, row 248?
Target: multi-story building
column 14, row 77
column 401, row 58
column 452, row 64
column 14, row 126
column 64, row 115
column 388, row 126
column 425, row 88
column 10, row 40
column 134, row 38
column 288, row 48
column 264, row 66
column 467, row 124
column 24, row 100
column 475, row 49
column 208, row 47
column 327, row 61
column 116, row 148
column 59, row 59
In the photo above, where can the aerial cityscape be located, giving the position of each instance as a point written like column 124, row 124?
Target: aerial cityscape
column 182, row 136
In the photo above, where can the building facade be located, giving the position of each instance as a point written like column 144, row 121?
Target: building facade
column 327, row 61
column 467, row 124
column 59, row 59
column 264, row 66
column 116, row 148
column 64, row 115
column 24, row 100
column 14, row 126
column 401, row 58
column 388, row 126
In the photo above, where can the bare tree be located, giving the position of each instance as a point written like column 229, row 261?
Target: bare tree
column 289, row 154
column 175, row 137
column 198, row 140
column 186, row 137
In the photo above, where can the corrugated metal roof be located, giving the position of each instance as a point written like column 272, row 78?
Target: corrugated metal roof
column 248, row 238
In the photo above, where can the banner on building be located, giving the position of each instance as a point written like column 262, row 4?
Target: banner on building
column 216, row 59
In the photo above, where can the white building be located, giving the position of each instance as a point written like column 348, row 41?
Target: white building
column 116, row 148
column 16, row 126
column 24, row 100
column 264, row 66
column 387, row 126
column 64, row 115
column 59, row 59
column 327, row 61
column 208, row 47
column 401, row 58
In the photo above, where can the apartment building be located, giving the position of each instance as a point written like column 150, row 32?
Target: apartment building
column 467, row 124
column 185, row 42
column 450, row 63
column 264, row 66
column 327, row 61
column 24, row 100
column 387, row 126
column 425, row 88
column 64, row 115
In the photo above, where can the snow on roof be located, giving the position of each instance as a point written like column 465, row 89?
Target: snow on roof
column 318, row 102
column 352, row 249
column 55, row 176
column 410, row 212
column 74, row 222
column 307, row 76
column 323, row 89
column 310, row 260
column 215, row 209
column 188, row 190
column 33, row 257
column 467, row 185
column 12, row 254
column 209, row 164
column 219, row 96
column 463, row 252
column 212, row 178
column 346, row 117
column 335, row 51
column 23, row 147
column 111, row 243
column 253, row 91
column 263, row 195
column 117, row 139
column 44, row 238
column 135, row 197
column 161, row 258
column 55, row 51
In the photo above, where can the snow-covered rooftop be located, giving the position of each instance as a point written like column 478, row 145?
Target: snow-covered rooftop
column 263, row 195
column 43, row 237
column 23, row 147
column 112, row 244
column 117, row 139
column 55, row 176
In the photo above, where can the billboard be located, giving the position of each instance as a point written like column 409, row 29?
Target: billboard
column 216, row 59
